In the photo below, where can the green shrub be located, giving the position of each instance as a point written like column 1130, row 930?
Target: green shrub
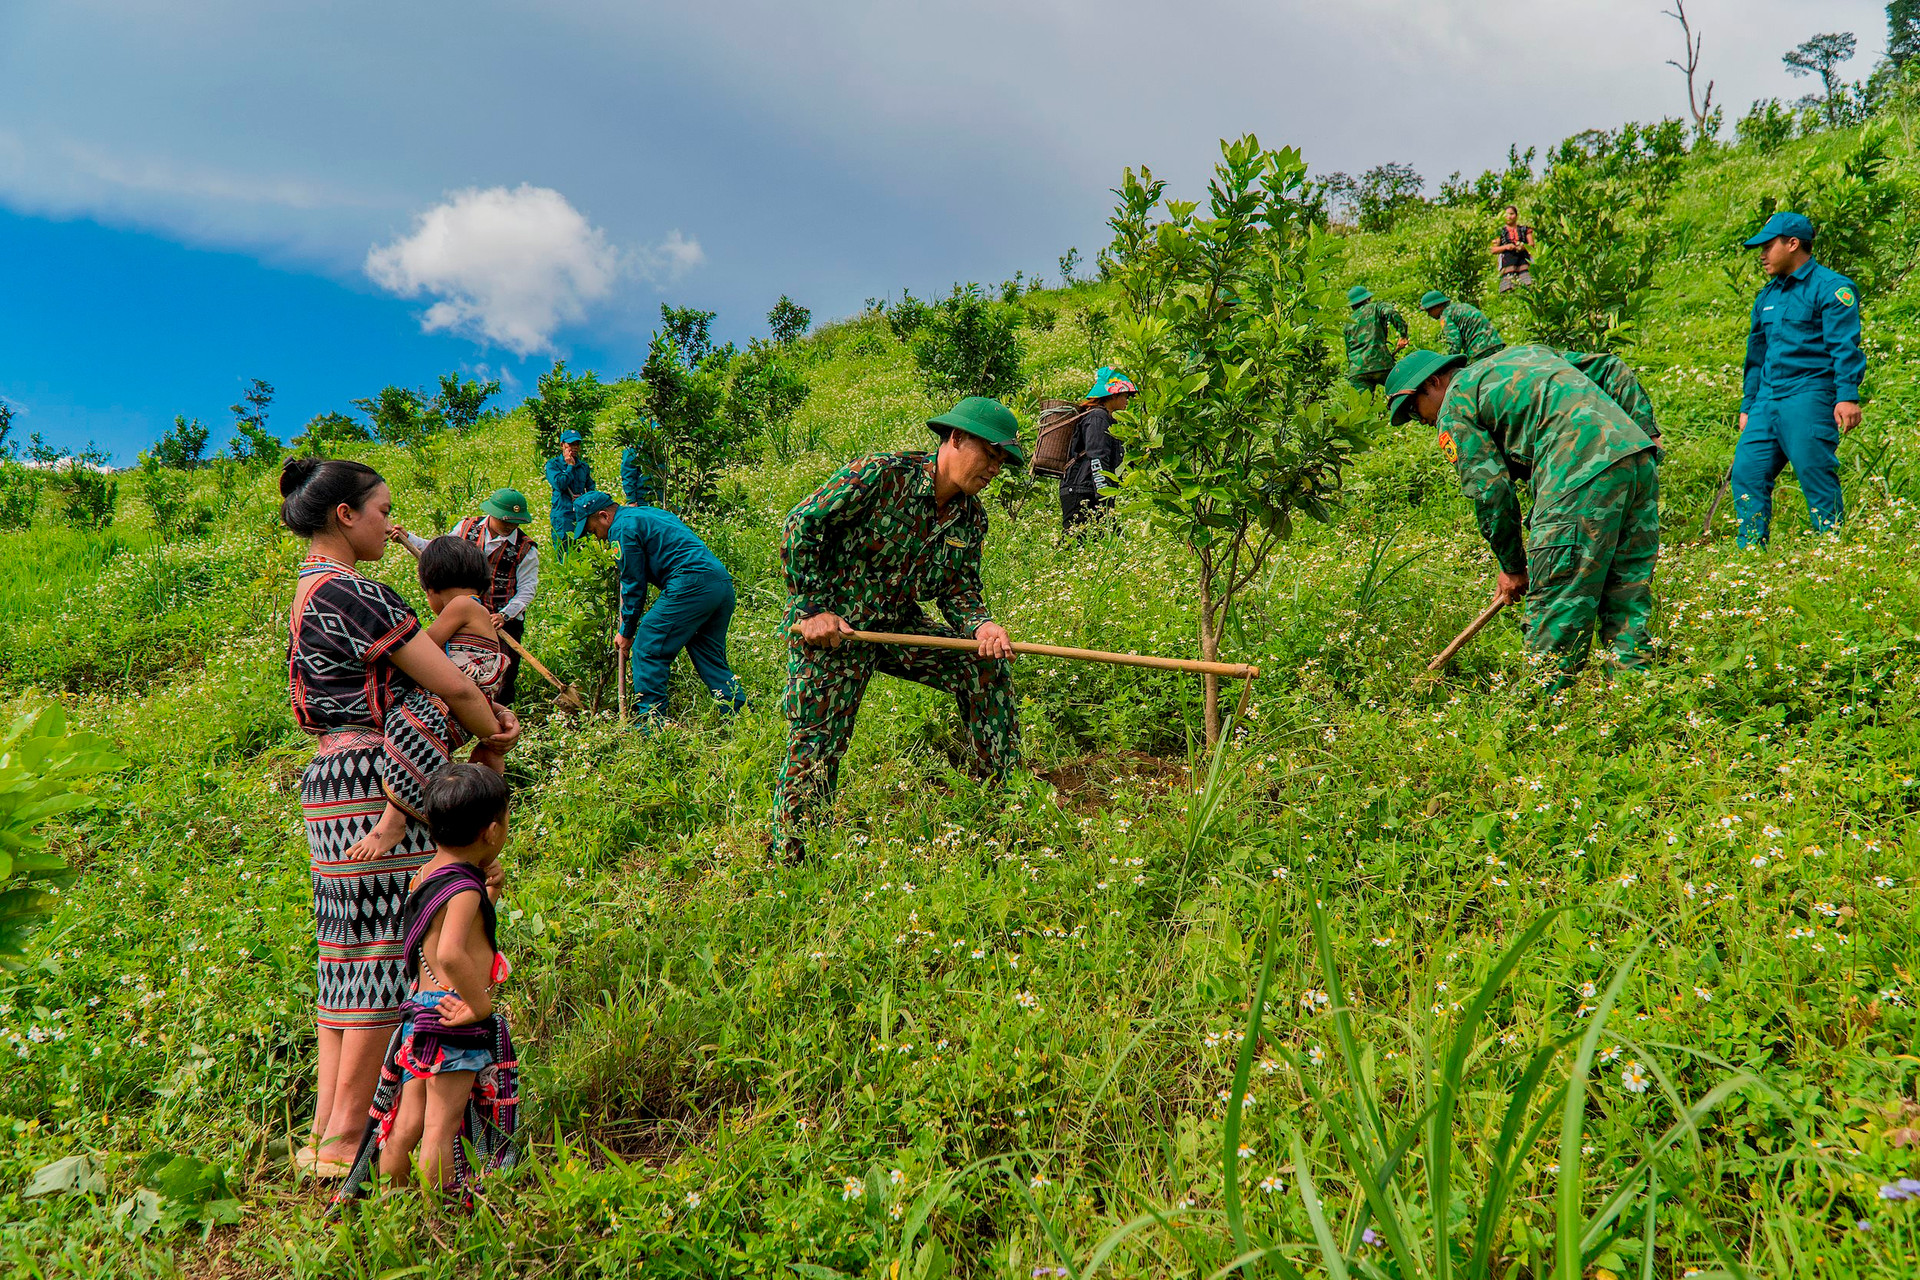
column 969, row 346
column 19, row 494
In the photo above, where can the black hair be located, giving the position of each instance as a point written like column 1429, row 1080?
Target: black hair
column 450, row 563
column 310, row 489
column 462, row 800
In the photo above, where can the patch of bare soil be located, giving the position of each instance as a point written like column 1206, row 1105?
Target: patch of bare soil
column 1087, row 784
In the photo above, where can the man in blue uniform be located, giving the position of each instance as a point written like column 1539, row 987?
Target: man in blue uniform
column 570, row 478
column 692, row 613
column 1803, row 380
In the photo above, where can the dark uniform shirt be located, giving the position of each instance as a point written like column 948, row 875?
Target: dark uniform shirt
column 655, row 547
column 1805, row 338
column 1093, row 454
column 871, row 543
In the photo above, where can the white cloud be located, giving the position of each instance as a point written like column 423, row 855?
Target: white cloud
column 672, row 258
column 506, row 266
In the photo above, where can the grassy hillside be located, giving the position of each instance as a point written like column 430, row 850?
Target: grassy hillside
column 982, row 1032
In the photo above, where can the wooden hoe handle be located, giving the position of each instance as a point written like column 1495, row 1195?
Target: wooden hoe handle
column 1237, row 670
column 1473, row 628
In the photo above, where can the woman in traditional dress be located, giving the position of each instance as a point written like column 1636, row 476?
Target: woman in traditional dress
column 377, row 692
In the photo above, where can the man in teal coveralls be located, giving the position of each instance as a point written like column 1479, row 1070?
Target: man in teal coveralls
column 569, row 476
column 692, row 613
column 1802, row 385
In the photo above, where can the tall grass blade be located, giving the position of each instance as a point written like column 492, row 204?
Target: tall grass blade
column 1237, row 1091
column 1566, row 1225
column 1446, row 1098
column 1330, row 1257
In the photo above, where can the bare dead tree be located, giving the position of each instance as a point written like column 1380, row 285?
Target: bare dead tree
column 1701, row 107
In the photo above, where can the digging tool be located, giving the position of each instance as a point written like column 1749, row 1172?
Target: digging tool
column 1725, row 482
column 570, row 699
column 1472, row 629
column 1235, row 670
column 620, row 678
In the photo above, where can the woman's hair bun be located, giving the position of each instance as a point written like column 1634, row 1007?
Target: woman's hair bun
column 294, row 472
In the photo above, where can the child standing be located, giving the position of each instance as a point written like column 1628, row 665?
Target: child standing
column 447, row 1087
column 454, row 575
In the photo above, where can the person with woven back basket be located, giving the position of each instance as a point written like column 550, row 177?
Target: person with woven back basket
column 1094, row 455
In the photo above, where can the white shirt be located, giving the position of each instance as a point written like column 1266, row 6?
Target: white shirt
column 525, row 579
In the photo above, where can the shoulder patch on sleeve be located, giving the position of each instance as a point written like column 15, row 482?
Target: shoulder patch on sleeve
column 1844, row 296
column 1448, row 447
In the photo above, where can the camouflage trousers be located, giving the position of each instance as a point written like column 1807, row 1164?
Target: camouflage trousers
column 824, row 688
column 1590, row 556
column 1371, row 380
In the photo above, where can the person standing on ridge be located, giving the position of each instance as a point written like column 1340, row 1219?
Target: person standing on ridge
column 515, row 564
column 1514, row 249
column 1594, row 531
column 1094, row 455
column 1369, row 359
column 1468, row 331
column 885, row 532
column 694, row 609
column 570, row 477
column 1802, row 386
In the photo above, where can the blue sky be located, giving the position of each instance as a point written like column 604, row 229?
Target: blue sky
column 337, row 196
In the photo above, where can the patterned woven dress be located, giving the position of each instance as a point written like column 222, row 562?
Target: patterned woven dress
column 372, row 723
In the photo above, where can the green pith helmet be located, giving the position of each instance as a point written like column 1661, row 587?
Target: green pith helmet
column 1358, row 294
column 1409, row 375
column 990, row 421
column 1432, row 298
column 509, row 505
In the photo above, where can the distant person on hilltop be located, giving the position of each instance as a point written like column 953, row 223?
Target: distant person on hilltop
column 1514, row 250
column 1802, row 388
column 1593, row 534
column 1094, row 455
column 570, row 477
column 1369, row 357
column 1468, row 331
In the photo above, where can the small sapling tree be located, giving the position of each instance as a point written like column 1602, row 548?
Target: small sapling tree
column 565, row 401
column 462, row 401
column 969, row 346
column 329, row 430
column 184, row 445
column 252, row 443
column 788, row 322
column 1230, row 330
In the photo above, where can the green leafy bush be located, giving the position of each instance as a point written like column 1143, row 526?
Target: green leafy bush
column 43, row 767
column 564, row 402
column 969, row 346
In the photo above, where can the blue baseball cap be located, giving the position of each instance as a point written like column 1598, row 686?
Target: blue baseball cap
column 586, row 506
column 1783, row 224
column 570, row 437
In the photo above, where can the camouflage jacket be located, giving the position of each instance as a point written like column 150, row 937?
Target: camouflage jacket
column 871, row 543
column 1368, row 350
column 1526, row 412
column 1613, row 376
column 1469, row 332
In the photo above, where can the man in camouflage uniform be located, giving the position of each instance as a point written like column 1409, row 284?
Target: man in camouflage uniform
column 1594, row 531
column 885, row 532
column 1613, row 375
column 1468, row 331
column 1369, row 358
